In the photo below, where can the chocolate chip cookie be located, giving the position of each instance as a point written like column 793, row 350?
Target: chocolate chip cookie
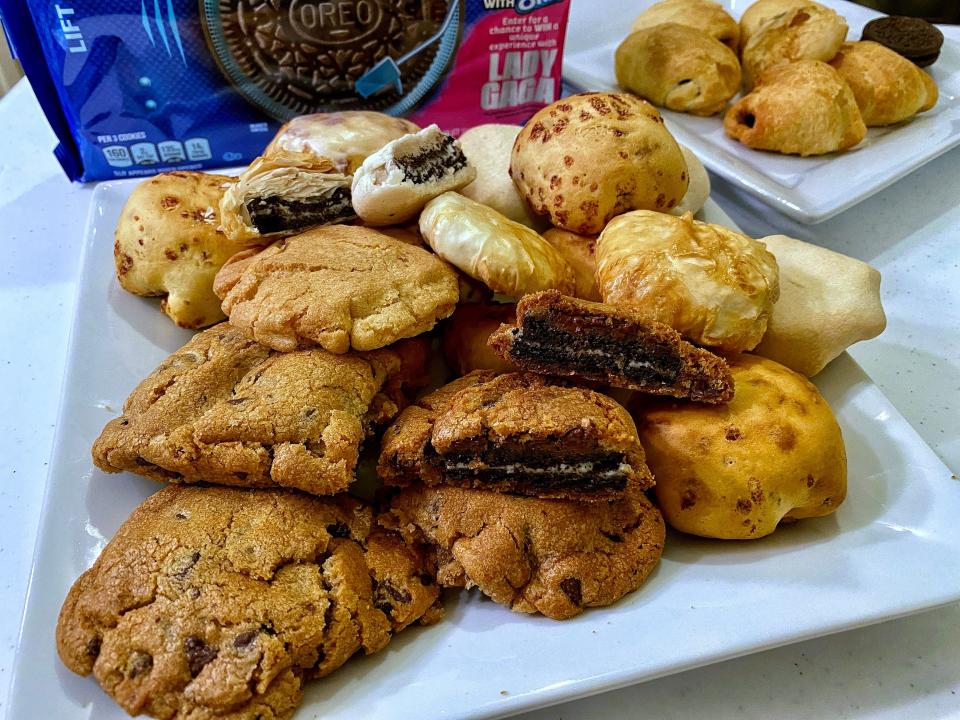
column 555, row 557
column 565, row 336
column 226, row 410
column 519, row 433
column 218, row 602
column 338, row 287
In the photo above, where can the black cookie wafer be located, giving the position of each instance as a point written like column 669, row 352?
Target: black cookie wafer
column 913, row 38
column 293, row 57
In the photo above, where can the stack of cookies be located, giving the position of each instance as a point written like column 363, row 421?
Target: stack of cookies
column 517, row 469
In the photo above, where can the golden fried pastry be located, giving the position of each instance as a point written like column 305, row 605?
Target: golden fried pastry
column 580, row 253
column 284, row 193
column 711, row 284
column 466, row 333
column 762, row 11
column 828, row 302
column 168, row 243
column 809, row 32
column 510, row 258
column 804, row 108
column 677, row 67
column 704, row 15
column 698, row 191
column 488, row 149
column 347, row 138
column 589, row 157
column 888, row 87
column 774, row 453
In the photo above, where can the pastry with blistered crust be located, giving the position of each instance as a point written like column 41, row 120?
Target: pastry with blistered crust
column 556, row 557
column 704, row 15
column 346, row 137
column 518, row 433
column 714, row 286
column 339, row 287
column 168, row 243
column 220, row 603
column 589, row 157
column 593, row 342
column 227, row 410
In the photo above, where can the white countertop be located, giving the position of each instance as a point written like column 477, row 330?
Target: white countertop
column 906, row 668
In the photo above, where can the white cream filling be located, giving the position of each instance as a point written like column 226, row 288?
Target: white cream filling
column 581, row 468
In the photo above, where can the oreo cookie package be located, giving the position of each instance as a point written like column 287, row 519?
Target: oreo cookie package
column 137, row 87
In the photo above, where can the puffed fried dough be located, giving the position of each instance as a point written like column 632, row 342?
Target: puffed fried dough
column 828, row 302
column 589, row 157
column 226, row 410
column 339, row 287
column 677, row 67
column 221, row 603
column 803, row 108
column 168, row 243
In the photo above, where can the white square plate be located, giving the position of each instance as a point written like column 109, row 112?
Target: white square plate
column 807, row 189
column 890, row 550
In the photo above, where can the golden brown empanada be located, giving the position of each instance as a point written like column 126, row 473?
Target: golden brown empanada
column 283, row 194
column 703, row 15
column 888, row 87
column 677, row 67
column 804, row 108
column 710, row 284
column 510, row 258
column 808, row 32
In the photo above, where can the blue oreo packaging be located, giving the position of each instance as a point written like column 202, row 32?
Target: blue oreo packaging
column 138, row 87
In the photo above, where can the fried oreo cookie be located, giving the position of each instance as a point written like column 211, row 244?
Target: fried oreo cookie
column 519, row 433
column 564, row 336
column 292, row 57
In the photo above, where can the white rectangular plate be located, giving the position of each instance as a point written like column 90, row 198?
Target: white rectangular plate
column 890, row 550
column 807, row 189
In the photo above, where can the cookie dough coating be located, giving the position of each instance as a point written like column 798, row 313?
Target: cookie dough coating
column 828, row 302
column 466, row 333
column 710, row 284
column 518, row 433
column 589, row 157
column 735, row 471
column 679, row 68
column 613, row 345
column 488, row 149
column 888, row 88
column 809, row 32
column 338, row 287
column 554, row 557
column 227, row 410
column 803, row 108
column 168, row 243
column 215, row 602
column 510, row 258
column 347, row 138
column 703, row 15
column 285, row 193
column 394, row 183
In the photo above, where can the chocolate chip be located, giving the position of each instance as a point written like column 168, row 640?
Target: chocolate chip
column 338, row 530
column 186, row 564
column 236, row 401
column 572, row 589
column 199, row 654
column 140, row 663
column 613, row 537
column 93, row 646
column 181, row 515
column 388, row 588
column 244, row 639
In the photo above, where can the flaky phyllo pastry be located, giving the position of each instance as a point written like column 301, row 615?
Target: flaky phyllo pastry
column 285, row 193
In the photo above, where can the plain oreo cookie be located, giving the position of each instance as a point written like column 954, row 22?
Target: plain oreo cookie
column 913, row 38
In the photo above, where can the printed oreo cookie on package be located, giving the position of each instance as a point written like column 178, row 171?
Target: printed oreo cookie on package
column 137, row 87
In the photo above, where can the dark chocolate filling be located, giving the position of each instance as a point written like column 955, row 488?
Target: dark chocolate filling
column 533, row 472
column 277, row 214
column 594, row 355
column 432, row 162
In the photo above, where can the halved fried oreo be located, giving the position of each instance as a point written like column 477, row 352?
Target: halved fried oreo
column 519, row 433
column 564, row 336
